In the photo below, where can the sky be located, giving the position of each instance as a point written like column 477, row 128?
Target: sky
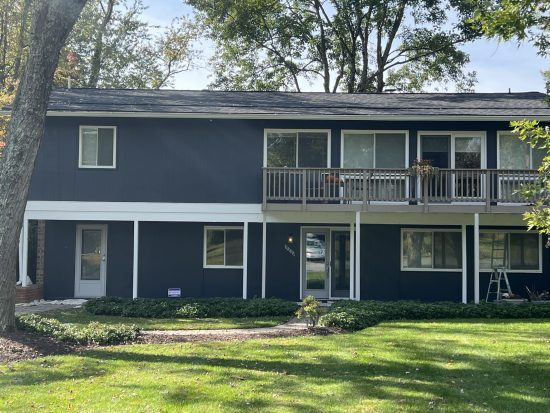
column 500, row 66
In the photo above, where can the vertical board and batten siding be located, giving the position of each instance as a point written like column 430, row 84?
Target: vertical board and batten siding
column 191, row 160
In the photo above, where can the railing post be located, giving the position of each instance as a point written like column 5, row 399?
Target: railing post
column 365, row 190
column 425, row 194
column 488, row 179
column 304, row 182
column 264, row 180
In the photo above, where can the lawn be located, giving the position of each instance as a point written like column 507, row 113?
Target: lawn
column 447, row 366
column 79, row 317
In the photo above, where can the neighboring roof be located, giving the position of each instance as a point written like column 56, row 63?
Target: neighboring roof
column 191, row 103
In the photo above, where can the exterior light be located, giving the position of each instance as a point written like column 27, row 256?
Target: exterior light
column 290, row 239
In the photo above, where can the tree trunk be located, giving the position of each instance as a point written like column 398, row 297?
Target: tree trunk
column 51, row 23
column 21, row 40
column 98, row 46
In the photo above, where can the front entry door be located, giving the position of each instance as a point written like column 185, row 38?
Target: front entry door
column 315, row 269
column 339, row 264
column 91, row 260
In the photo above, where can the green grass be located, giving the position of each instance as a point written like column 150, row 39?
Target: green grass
column 81, row 317
column 444, row 366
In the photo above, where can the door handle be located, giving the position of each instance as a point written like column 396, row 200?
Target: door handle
column 103, row 258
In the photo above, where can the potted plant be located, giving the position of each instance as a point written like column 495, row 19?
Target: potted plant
column 423, row 168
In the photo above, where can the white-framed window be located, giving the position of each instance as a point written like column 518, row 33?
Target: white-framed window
column 97, row 147
column 518, row 251
column 223, row 247
column 369, row 149
column 431, row 249
column 308, row 148
column 455, row 150
column 513, row 153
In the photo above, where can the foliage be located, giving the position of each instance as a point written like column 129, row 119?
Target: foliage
column 356, row 315
column 310, row 310
column 111, row 46
column 524, row 20
column 538, row 296
column 359, row 46
column 423, row 167
column 190, row 308
column 93, row 333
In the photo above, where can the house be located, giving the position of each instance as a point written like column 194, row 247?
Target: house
column 151, row 193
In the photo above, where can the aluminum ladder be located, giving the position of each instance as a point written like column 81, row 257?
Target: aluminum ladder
column 495, row 284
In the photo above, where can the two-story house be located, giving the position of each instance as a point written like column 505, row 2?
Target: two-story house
column 204, row 194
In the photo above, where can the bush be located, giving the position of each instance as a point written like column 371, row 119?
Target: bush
column 356, row 315
column 310, row 310
column 190, row 307
column 93, row 333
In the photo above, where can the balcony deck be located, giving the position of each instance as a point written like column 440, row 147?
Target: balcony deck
column 396, row 190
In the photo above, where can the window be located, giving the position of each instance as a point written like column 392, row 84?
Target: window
column 460, row 150
column 365, row 149
column 300, row 149
column 516, row 251
column 223, row 247
column 516, row 154
column 97, row 147
column 431, row 249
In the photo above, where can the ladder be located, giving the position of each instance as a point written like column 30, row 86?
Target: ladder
column 498, row 252
column 495, row 284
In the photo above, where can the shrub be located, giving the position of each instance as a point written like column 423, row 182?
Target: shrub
column 190, row 307
column 356, row 315
column 93, row 333
column 310, row 310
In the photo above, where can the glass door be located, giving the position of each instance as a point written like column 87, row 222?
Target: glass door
column 340, row 264
column 315, row 271
column 467, row 155
column 91, row 260
column 437, row 149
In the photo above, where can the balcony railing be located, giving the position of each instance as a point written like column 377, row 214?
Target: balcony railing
column 350, row 186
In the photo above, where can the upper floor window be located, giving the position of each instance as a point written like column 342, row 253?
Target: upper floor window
column 97, row 148
column 368, row 149
column 456, row 150
column 297, row 149
column 513, row 153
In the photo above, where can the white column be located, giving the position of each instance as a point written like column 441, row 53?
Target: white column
column 464, row 269
column 358, row 255
column 351, row 262
column 21, row 257
column 245, row 260
column 264, row 251
column 135, row 262
column 476, row 258
column 25, row 251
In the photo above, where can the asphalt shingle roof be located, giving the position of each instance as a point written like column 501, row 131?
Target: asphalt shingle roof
column 526, row 104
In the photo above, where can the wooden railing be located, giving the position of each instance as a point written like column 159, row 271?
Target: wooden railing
column 340, row 185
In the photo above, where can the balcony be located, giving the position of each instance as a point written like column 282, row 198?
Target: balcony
column 387, row 190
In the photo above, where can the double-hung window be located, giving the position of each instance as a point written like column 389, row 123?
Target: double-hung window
column 517, row 251
column 427, row 249
column 297, row 149
column 223, row 247
column 97, row 147
column 514, row 153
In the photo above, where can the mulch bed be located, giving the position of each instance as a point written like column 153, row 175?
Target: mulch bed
column 21, row 345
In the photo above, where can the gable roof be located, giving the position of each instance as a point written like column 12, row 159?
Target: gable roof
column 194, row 103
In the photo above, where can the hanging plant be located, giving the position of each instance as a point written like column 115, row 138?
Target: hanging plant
column 423, row 167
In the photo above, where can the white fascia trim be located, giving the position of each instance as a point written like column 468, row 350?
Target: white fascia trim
column 143, row 211
column 206, row 115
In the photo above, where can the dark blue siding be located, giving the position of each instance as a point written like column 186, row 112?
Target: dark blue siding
column 189, row 160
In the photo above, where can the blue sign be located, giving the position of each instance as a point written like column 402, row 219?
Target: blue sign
column 174, row 292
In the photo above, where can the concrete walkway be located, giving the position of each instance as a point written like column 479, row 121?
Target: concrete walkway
column 43, row 305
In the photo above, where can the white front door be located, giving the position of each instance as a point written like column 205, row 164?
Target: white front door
column 91, row 260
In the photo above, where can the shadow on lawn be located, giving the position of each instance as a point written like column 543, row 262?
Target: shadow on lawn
column 436, row 374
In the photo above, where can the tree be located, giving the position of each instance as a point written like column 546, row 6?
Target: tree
column 355, row 46
column 526, row 21
column 52, row 20
column 113, row 47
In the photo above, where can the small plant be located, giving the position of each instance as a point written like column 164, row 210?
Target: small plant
column 538, row 296
column 423, row 168
column 310, row 310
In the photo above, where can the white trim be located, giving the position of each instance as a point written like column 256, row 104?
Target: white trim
column 352, row 261
column 509, row 132
column 515, row 231
column 264, row 254
column 373, row 132
column 224, row 229
column 97, row 127
column 24, row 267
column 296, row 131
column 104, row 259
column 358, row 256
column 285, row 116
column 432, row 269
column 245, row 260
column 20, row 256
column 476, row 258
column 453, row 135
column 135, row 261
column 464, row 267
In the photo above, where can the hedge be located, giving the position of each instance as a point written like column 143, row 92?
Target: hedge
column 93, row 333
column 190, row 307
column 356, row 315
